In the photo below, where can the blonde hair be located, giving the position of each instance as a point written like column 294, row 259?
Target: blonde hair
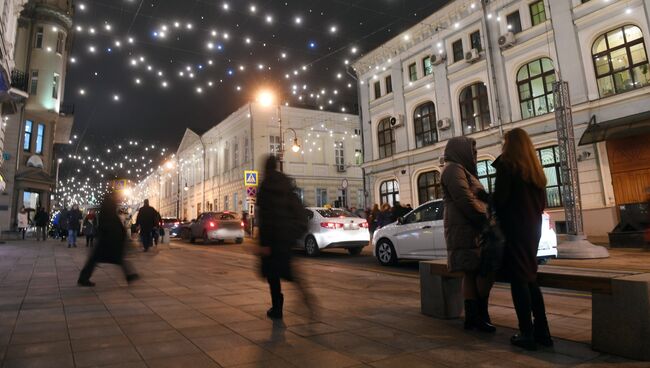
column 519, row 153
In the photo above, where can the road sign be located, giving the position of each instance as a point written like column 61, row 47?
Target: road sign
column 251, row 191
column 250, row 178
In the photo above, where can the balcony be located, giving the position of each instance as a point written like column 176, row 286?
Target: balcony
column 66, row 109
column 19, row 80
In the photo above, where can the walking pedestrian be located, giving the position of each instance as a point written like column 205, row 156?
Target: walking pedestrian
column 22, row 220
column 373, row 217
column 90, row 227
column 75, row 216
column 519, row 199
column 63, row 224
column 282, row 221
column 41, row 219
column 385, row 216
column 146, row 221
column 464, row 218
column 398, row 211
column 111, row 244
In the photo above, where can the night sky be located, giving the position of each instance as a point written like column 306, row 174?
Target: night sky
column 226, row 50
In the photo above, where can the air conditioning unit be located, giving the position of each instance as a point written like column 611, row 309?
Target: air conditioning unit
column 444, row 124
column 437, row 59
column 340, row 168
column 441, row 160
column 396, row 122
column 507, row 40
column 472, row 56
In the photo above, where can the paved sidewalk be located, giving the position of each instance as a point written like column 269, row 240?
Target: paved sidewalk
column 198, row 308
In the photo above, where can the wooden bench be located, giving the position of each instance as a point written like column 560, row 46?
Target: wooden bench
column 620, row 302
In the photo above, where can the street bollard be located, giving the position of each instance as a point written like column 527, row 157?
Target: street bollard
column 166, row 236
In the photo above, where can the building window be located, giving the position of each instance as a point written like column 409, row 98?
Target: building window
column 301, row 194
column 457, row 50
column 535, row 85
column 389, row 84
column 31, row 199
column 226, row 205
column 486, row 174
column 226, row 158
column 40, row 136
column 60, row 38
column 235, row 154
column 339, row 156
column 429, row 187
column 413, row 72
column 55, row 86
column 321, row 197
column 474, row 108
column 361, row 199
column 33, row 86
column 424, row 121
column 234, row 202
column 514, row 22
column 246, row 148
column 274, row 145
column 620, row 61
column 38, row 41
column 537, row 13
column 27, row 143
column 550, row 159
column 358, row 157
column 385, row 138
column 377, row 87
column 427, row 67
column 389, row 192
column 475, row 40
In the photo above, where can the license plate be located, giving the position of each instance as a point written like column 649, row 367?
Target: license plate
column 350, row 227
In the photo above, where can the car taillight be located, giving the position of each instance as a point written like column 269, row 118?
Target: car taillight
column 212, row 224
column 363, row 225
column 242, row 224
column 331, row 225
column 176, row 223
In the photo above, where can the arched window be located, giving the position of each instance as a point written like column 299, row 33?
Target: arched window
column 535, row 86
column 474, row 108
column 429, row 187
column 620, row 61
column 389, row 192
column 385, row 138
column 424, row 120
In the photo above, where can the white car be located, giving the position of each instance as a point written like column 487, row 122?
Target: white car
column 217, row 226
column 334, row 228
column 420, row 235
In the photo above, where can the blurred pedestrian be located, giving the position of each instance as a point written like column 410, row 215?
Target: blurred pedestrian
column 373, row 218
column 520, row 199
column 63, row 223
column 90, row 227
column 155, row 233
column 41, row 219
column 245, row 220
column 75, row 216
column 409, row 208
column 22, row 221
column 464, row 218
column 111, row 244
column 146, row 221
column 385, row 216
column 398, row 211
column 282, row 221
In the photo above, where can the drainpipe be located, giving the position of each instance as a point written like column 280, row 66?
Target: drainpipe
column 360, row 111
column 203, row 181
column 489, row 59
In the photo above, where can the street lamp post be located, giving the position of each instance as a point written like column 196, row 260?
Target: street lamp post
column 56, row 183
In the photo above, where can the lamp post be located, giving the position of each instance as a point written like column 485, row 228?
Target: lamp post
column 266, row 98
column 56, row 183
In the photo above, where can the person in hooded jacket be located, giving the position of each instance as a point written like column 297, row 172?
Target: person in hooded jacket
column 464, row 218
column 519, row 199
column 74, row 225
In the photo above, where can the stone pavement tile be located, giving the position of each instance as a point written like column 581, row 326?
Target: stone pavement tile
column 164, row 349
column 142, row 338
column 363, row 349
column 88, row 323
column 241, row 355
column 126, row 365
column 42, row 336
column 116, row 355
column 204, row 331
column 274, row 363
column 313, row 329
column 405, row 360
column 454, row 356
column 228, row 314
column 219, row 342
column 251, row 325
column 399, row 339
column 322, row 359
column 127, row 320
column 37, row 349
column 151, row 327
column 95, row 331
column 103, row 342
column 48, row 361
column 40, row 326
column 199, row 321
column 189, row 361
column 610, row 361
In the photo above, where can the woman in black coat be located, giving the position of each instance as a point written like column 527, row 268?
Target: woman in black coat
column 519, row 199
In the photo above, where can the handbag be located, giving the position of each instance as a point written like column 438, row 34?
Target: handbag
column 492, row 244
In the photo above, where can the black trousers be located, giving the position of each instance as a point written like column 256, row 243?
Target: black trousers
column 527, row 298
column 276, row 291
column 92, row 261
column 89, row 240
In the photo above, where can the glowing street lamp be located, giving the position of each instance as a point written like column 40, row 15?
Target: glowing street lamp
column 265, row 98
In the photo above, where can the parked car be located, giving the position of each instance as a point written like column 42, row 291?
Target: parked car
column 217, row 226
column 420, row 236
column 334, row 228
column 173, row 225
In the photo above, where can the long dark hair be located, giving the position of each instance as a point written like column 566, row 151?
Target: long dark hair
column 519, row 153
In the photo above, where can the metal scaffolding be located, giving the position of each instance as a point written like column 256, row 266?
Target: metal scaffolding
column 568, row 159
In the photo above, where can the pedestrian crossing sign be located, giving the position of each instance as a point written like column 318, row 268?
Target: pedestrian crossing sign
column 250, row 178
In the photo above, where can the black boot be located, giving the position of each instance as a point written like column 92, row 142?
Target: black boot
column 524, row 340
column 276, row 310
column 542, row 333
column 484, row 315
column 473, row 319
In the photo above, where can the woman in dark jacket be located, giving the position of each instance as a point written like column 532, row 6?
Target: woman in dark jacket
column 385, row 216
column 373, row 216
column 464, row 218
column 519, row 199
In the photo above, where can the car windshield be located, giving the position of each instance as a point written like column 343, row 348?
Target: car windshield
column 334, row 212
column 225, row 216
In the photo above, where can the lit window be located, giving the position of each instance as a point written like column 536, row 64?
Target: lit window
column 474, row 108
column 537, row 13
column 535, row 86
column 486, row 174
column 389, row 192
column 385, row 138
column 550, row 159
column 40, row 136
column 413, row 72
column 427, row 67
column 38, row 40
column 27, row 142
column 429, row 186
column 424, row 121
column 321, row 197
column 274, row 145
column 55, row 86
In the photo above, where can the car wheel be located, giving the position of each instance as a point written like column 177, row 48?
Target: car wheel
column 355, row 251
column 239, row 240
column 311, row 247
column 206, row 240
column 386, row 253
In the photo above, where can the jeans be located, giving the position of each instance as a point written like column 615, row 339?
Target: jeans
column 527, row 298
column 72, row 237
column 41, row 233
column 147, row 239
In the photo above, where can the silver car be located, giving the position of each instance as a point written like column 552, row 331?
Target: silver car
column 217, row 226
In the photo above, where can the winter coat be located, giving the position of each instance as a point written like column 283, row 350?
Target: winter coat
column 90, row 225
column 22, row 220
column 147, row 219
column 111, row 238
column 41, row 218
column 282, row 221
column 519, row 206
column 63, row 220
column 465, row 212
column 397, row 212
column 373, row 218
column 384, row 218
column 74, row 220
